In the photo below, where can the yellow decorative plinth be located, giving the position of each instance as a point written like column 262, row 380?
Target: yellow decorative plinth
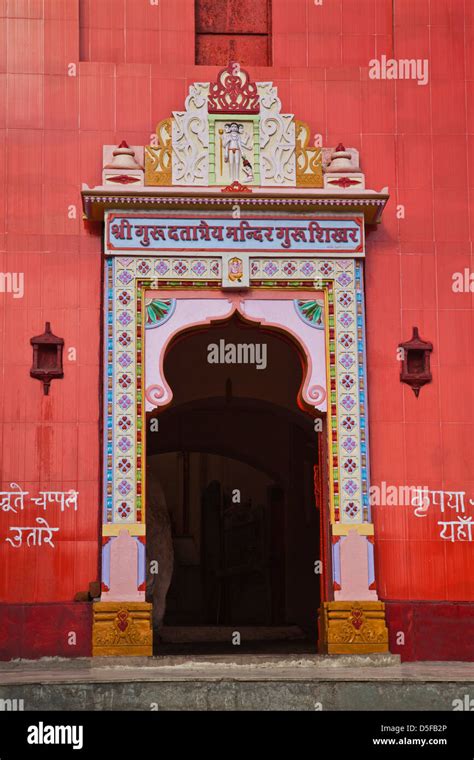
column 309, row 159
column 122, row 628
column 353, row 627
column 158, row 158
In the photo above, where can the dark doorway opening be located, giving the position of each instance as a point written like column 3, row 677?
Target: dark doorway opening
column 232, row 516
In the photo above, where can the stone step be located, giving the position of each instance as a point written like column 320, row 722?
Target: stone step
column 247, row 682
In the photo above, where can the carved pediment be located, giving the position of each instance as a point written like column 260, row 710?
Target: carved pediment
column 232, row 133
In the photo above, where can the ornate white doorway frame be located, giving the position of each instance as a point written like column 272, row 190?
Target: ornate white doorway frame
column 130, row 281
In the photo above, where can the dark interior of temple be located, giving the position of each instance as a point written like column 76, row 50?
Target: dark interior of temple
column 232, row 515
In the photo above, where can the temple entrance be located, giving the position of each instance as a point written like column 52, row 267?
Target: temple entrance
column 234, row 497
column 224, row 512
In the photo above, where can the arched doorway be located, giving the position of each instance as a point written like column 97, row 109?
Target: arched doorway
column 326, row 326
column 234, row 496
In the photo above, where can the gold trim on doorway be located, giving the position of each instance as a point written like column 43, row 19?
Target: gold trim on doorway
column 342, row 529
column 134, row 529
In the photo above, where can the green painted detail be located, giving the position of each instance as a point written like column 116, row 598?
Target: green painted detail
column 311, row 312
column 212, row 152
column 158, row 310
column 256, row 149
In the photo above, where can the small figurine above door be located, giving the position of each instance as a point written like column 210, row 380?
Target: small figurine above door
column 235, row 149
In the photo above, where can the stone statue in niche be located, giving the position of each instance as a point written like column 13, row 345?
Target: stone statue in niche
column 234, row 141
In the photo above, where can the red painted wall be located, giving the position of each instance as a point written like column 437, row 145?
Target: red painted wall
column 417, row 140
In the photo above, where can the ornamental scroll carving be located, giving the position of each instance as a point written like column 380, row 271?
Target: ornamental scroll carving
column 158, row 159
column 191, row 139
column 277, row 140
column 233, row 92
column 232, row 134
column 309, row 160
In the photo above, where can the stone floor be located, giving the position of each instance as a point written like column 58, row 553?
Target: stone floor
column 245, row 682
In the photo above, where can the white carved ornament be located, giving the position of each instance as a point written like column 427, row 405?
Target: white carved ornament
column 191, row 138
column 277, row 139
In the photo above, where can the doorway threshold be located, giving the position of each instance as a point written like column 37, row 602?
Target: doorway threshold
column 188, row 634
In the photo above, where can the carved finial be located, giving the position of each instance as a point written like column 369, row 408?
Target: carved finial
column 123, row 158
column 341, row 160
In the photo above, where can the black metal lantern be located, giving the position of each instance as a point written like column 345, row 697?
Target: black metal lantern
column 47, row 357
column 415, row 369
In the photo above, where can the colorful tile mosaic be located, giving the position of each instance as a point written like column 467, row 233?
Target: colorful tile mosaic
column 127, row 315
column 341, row 280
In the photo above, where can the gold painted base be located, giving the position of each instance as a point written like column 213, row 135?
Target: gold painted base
column 353, row 628
column 122, row 628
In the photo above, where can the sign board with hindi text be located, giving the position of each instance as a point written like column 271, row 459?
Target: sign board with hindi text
column 338, row 235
